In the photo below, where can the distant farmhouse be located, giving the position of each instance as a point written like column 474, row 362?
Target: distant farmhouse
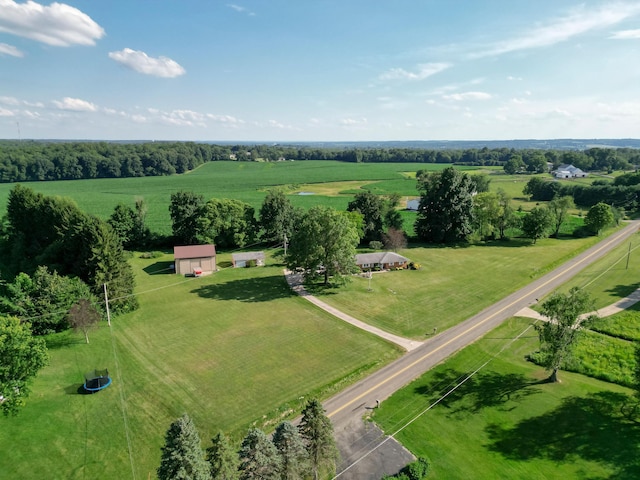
column 195, row 259
column 413, row 205
column 247, row 259
column 569, row 171
column 381, row 261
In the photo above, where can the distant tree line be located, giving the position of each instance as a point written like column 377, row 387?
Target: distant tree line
column 621, row 192
column 39, row 161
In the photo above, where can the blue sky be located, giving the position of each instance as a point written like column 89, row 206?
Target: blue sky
column 323, row 70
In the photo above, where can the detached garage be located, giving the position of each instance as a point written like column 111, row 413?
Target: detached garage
column 190, row 259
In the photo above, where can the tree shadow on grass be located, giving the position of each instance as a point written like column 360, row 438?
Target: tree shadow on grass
column 64, row 339
column 262, row 289
column 622, row 291
column 592, row 427
column 159, row 268
column 485, row 389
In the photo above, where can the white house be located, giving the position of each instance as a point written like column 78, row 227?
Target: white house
column 569, row 171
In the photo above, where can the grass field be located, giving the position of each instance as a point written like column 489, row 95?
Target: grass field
column 232, row 349
column 246, row 181
column 453, row 284
column 503, row 423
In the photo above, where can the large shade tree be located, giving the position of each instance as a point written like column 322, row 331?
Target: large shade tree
column 598, row 217
column 21, row 357
column 445, row 213
column 537, row 223
column 228, row 223
column 560, row 207
column 325, row 241
column 277, row 216
column 185, row 209
column 560, row 332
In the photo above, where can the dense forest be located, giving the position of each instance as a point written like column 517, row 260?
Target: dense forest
column 38, row 161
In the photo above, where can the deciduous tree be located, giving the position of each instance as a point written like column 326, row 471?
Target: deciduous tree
column 228, row 223
column 537, row 223
column 83, row 317
column 277, row 216
column 21, row 357
column 446, row 206
column 325, row 239
column 560, row 207
column 558, row 335
column 598, row 217
column 185, row 210
column 182, row 456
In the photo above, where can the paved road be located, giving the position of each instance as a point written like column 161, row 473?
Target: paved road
column 347, row 408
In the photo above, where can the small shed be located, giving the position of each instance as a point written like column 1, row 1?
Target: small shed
column 246, row 259
column 192, row 258
column 381, row 260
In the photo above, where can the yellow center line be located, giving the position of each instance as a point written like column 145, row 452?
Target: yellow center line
column 474, row 326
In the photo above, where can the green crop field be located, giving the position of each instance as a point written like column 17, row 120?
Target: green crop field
column 233, row 349
column 503, row 423
column 246, row 181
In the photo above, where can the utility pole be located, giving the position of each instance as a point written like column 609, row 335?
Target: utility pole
column 628, row 256
column 106, row 302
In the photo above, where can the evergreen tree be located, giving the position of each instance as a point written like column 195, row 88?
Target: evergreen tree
column 446, row 206
column 258, row 457
column 182, row 457
column 294, row 456
column 222, row 458
column 317, row 432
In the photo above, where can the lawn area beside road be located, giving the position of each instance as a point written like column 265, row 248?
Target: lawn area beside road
column 503, row 424
column 233, row 349
column 453, row 283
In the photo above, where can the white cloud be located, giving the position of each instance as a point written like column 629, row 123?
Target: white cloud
column 6, row 113
column 228, row 119
column 75, row 105
column 240, row 9
column 468, row 96
column 142, row 63
column 511, row 78
column 579, row 21
column 6, row 49
column 424, row 70
column 626, row 34
column 9, row 101
column 353, row 122
column 58, row 24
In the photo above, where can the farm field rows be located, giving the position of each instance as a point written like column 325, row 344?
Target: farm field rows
column 246, row 181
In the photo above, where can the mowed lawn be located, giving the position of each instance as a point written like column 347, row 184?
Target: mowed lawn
column 503, row 423
column 232, row 350
column 453, row 283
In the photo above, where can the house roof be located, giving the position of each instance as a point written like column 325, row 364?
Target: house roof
column 245, row 256
column 379, row 257
column 194, row 251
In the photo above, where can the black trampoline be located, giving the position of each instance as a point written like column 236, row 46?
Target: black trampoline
column 96, row 380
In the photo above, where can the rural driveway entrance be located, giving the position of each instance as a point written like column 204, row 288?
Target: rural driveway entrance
column 353, row 403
